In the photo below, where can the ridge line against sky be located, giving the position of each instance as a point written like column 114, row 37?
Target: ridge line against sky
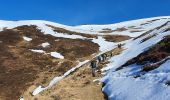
column 80, row 12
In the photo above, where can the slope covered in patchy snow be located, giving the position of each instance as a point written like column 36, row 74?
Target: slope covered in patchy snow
column 131, row 28
column 54, row 48
column 130, row 81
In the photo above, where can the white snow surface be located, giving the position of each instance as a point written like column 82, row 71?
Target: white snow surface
column 44, row 45
column 90, row 29
column 56, row 55
column 121, row 84
column 104, row 45
column 27, row 38
column 130, row 89
column 37, row 51
column 21, row 99
column 130, row 25
column 42, row 25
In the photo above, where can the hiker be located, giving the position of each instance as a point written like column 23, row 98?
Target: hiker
column 93, row 67
column 99, row 59
column 119, row 46
column 111, row 54
column 104, row 56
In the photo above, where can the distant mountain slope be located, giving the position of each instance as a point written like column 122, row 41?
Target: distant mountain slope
column 36, row 54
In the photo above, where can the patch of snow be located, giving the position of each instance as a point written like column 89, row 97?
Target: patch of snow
column 38, row 90
column 56, row 55
column 42, row 25
column 55, row 80
column 127, row 88
column 21, row 98
column 44, row 45
column 95, row 29
column 121, row 84
column 27, row 38
column 68, row 36
column 104, row 45
column 48, row 30
column 37, row 51
column 88, row 29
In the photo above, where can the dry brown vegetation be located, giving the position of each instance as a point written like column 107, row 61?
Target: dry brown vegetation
column 116, row 38
column 149, row 67
column 162, row 25
column 22, row 68
column 134, row 31
column 148, row 37
column 145, row 23
column 168, row 29
column 15, row 73
column 150, row 21
column 168, row 82
column 120, row 29
column 145, row 33
column 107, row 30
column 72, row 49
column 153, row 20
column 78, row 85
column 134, row 27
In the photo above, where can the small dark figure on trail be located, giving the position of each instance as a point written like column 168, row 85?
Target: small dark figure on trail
column 119, row 46
column 93, row 67
column 99, row 58
column 104, row 56
column 111, row 54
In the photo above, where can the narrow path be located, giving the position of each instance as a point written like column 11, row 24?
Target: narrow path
column 79, row 85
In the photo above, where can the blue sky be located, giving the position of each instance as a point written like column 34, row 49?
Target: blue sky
column 76, row 12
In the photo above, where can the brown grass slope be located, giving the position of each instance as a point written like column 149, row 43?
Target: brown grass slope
column 22, row 68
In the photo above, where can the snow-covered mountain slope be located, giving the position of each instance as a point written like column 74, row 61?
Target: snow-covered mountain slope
column 131, row 28
column 140, row 72
column 42, row 52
